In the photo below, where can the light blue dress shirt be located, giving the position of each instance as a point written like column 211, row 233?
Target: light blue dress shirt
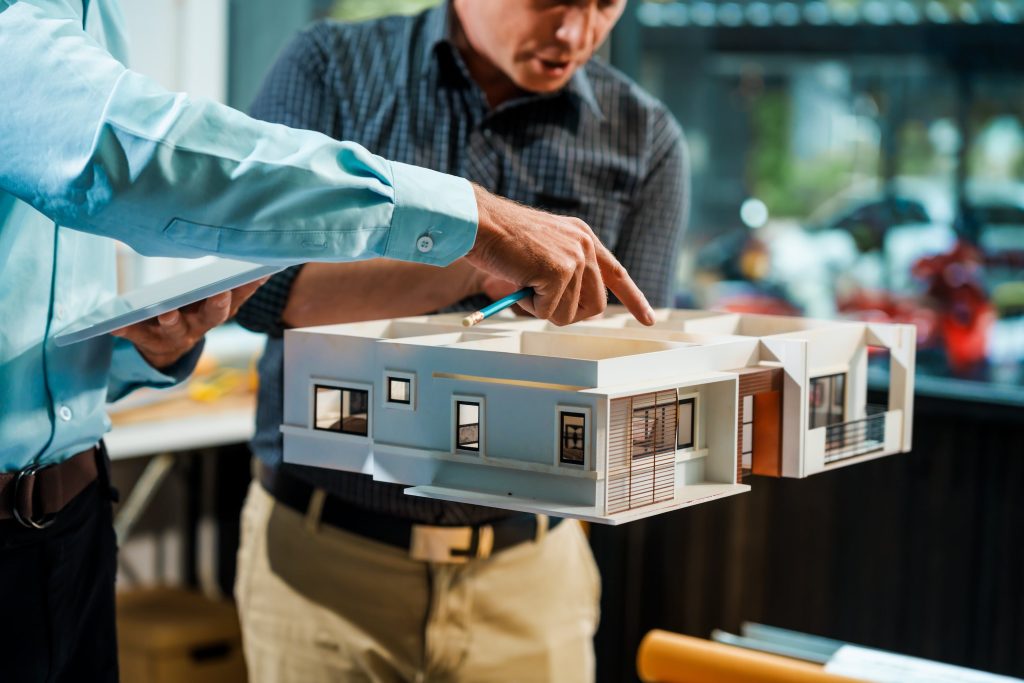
column 91, row 151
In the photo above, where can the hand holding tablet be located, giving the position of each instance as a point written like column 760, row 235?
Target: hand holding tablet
column 169, row 336
column 129, row 309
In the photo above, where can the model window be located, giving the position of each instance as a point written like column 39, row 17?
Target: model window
column 399, row 390
column 684, row 418
column 827, row 400
column 338, row 409
column 467, row 427
column 573, row 438
column 747, row 447
column 653, row 431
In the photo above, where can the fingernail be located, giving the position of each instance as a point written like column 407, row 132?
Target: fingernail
column 170, row 318
column 650, row 316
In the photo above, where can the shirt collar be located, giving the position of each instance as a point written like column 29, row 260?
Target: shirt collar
column 580, row 86
column 437, row 31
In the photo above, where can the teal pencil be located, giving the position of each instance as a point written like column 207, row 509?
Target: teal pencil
column 497, row 306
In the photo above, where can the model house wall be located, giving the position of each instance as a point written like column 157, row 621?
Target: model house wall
column 605, row 420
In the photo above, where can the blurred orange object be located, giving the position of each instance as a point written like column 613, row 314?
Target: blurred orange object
column 666, row 657
column 219, row 384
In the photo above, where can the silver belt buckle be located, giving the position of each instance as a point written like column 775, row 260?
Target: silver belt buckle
column 25, row 518
column 450, row 545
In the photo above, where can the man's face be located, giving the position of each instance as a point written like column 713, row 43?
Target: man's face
column 538, row 44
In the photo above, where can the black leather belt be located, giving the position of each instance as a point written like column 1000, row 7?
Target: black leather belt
column 424, row 542
column 35, row 495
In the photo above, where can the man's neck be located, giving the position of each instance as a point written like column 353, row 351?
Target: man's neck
column 495, row 84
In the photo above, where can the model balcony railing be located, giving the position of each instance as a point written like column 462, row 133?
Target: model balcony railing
column 850, row 439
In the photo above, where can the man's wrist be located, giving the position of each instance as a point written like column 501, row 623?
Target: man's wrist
column 485, row 227
column 181, row 366
column 161, row 362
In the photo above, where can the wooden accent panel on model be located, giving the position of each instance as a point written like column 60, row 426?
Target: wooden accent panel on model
column 756, row 380
column 641, row 450
column 753, row 382
column 767, row 460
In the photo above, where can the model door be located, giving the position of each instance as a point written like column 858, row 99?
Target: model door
column 767, row 437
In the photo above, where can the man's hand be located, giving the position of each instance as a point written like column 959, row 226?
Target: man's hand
column 561, row 258
column 166, row 338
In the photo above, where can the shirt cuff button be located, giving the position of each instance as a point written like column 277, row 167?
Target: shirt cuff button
column 424, row 244
column 65, row 413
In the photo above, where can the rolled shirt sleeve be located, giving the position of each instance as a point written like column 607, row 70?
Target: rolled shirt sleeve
column 103, row 149
column 130, row 371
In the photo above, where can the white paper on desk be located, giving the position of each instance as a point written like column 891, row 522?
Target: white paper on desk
column 886, row 667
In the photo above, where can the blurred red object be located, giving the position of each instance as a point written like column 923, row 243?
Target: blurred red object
column 966, row 315
column 885, row 307
column 759, row 304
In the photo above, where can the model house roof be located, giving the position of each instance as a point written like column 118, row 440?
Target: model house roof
column 614, row 349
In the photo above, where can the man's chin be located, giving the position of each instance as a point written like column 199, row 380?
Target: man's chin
column 541, row 85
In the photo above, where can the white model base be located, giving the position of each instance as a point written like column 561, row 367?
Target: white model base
column 697, row 493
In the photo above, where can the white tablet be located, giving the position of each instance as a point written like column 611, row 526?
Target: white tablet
column 159, row 297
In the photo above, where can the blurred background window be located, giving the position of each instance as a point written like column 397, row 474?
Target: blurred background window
column 852, row 158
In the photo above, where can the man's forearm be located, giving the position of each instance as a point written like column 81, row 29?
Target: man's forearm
column 326, row 293
column 102, row 149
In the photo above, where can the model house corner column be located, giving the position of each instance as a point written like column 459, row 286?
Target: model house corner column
column 599, row 459
column 901, row 340
column 857, row 379
column 901, row 383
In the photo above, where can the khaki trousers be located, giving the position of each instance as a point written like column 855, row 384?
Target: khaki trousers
column 320, row 604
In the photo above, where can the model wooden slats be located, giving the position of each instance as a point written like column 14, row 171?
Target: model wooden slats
column 618, row 455
column 756, row 380
column 666, row 414
column 641, row 450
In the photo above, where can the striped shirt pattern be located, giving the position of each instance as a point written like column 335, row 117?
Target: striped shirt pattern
column 600, row 149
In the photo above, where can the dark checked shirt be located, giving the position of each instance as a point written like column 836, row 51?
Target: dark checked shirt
column 600, row 149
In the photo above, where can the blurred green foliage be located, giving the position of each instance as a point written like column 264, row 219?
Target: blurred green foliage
column 917, row 155
column 361, row 10
column 789, row 186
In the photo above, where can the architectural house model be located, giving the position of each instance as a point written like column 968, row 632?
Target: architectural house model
column 604, row 420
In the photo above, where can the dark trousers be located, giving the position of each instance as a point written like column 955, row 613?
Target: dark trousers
column 57, row 595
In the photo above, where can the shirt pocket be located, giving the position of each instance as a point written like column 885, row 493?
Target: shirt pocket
column 604, row 214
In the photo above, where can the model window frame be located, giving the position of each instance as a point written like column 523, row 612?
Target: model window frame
column 340, row 385
column 832, row 377
column 588, row 441
column 480, row 401
column 747, row 444
column 409, row 377
column 693, row 398
column 650, row 425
